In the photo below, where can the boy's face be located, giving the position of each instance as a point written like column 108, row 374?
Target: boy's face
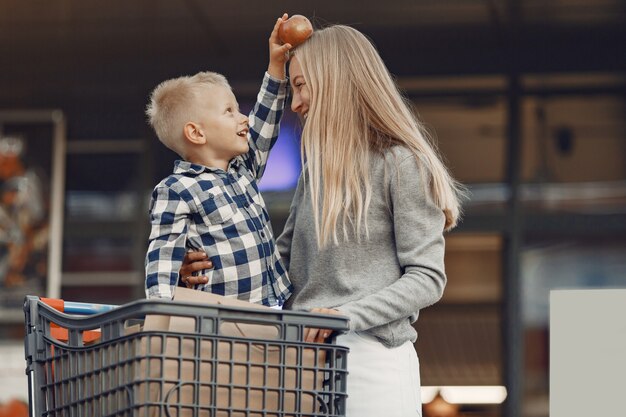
column 225, row 128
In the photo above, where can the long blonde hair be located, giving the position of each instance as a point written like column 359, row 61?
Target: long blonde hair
column 356, row 108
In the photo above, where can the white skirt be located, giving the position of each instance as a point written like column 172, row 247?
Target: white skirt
column 382, row 381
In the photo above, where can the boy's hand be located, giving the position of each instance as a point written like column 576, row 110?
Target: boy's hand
column 279, row 52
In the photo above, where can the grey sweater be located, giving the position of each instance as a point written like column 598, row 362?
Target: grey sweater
column 380, row 283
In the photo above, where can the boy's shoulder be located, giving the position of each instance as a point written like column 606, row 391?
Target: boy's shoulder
column 190, row 187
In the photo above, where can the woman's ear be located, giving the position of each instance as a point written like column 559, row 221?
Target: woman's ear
column 194, row 134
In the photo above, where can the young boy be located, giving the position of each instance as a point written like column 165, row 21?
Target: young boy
column 211, row 202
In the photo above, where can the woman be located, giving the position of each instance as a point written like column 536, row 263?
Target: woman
column 364, row 237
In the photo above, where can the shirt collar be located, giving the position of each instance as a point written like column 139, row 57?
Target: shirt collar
column 186, row 167
column 236, row 161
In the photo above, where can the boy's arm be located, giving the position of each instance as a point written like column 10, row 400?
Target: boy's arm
column 265, row 117
column 168, row 215
column 279, row 52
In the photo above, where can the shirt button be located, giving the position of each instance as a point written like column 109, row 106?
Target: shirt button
column 262, row 233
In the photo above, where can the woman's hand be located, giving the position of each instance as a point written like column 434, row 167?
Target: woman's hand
column 194, row 262
column 319, row 335
column 279, row 52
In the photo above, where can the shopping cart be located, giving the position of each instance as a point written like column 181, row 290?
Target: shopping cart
column 153, row 358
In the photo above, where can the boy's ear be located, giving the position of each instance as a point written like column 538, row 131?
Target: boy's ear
column 194, row 134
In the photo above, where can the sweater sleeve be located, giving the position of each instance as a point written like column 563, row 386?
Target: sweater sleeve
column 418, row 232
column 283, row 243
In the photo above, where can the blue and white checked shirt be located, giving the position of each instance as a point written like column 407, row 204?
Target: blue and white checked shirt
column 222, row 213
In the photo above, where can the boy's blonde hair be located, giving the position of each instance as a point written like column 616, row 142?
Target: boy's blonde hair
column 173, row 103
column 356, row 108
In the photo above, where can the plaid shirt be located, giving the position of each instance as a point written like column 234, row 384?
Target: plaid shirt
column 222, row 213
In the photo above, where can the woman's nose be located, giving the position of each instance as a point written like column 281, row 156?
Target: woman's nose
column 296, row 103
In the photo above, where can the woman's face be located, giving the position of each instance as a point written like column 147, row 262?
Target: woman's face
column 301, row 97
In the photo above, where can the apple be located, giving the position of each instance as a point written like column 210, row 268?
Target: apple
column 295, row 30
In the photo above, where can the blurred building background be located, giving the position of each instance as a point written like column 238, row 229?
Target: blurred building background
column 526, row 100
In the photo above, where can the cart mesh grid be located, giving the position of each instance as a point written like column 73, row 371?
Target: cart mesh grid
column 218, row 365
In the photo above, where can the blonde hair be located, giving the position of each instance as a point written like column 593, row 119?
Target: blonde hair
column 356, row 108
column 174, row 102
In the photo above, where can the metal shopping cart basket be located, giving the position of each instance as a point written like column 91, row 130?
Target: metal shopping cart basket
column 167, row 358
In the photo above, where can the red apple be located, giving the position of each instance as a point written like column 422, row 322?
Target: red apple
column 295, row 30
